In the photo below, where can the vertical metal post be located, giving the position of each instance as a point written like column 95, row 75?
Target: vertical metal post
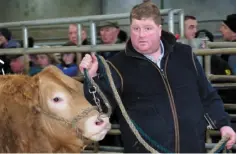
column 25, row 43
column 181, row 23
column 79, row 39
column 171, row 21
column 25, row 37
column 93, row 33
column 207, row 65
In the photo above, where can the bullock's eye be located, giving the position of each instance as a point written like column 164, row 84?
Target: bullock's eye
column 57, row 99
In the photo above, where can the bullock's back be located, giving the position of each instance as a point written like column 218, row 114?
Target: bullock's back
column 17, row 96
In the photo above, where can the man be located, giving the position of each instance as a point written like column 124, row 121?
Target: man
column 190, row 27
column 73, row 38
column 218, row 65
column 228, row 31
column 17, row 64
column 73, row 34
column 109, row 32
column 163, row 88
column 228, row 28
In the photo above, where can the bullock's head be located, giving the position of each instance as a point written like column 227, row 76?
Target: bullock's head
column 64, row 111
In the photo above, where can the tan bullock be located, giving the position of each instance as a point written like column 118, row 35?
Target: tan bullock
column 46, row 113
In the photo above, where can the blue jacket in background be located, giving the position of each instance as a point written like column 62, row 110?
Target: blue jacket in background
column 70, row 70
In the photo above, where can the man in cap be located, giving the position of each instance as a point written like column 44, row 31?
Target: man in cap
column 228, row 31
column 109, row 32
column 228, row 28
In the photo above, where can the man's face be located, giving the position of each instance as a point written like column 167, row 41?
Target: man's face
column 17, row 65
column 3, row 40
column 190, row 29
column 72, row 34
column 227, row 33
column 43, row 60
column 109, row 34
column 145, row 35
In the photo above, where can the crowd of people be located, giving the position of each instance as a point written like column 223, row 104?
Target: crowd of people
column 109, row 32
column 169, row 106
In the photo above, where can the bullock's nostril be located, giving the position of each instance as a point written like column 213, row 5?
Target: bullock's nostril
column 99, row 122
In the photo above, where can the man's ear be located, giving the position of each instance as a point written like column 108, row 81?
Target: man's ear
column 117, row 31
column 159, row 29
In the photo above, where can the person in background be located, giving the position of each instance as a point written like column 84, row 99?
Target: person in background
column 109, row 34
column 73, row 38
column 6, row 41
column 17, row 64
column 218, row 65
column 190, row 27
column 68, row 63
column 43, row 61
column 228, row 31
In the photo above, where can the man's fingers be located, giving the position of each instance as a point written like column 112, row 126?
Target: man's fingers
column 231, row 142
column 94, row 58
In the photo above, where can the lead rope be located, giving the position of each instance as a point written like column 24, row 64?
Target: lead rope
column 218, row 147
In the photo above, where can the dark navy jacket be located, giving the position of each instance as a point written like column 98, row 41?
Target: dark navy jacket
column 162, row 101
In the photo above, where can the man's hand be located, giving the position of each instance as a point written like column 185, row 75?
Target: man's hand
column 89, row 62
column 228, row 131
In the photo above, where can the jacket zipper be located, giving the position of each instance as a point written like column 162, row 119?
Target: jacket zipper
column 171, row 100
column 173, row 108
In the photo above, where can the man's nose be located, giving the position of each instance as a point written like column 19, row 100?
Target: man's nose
column 141, row 33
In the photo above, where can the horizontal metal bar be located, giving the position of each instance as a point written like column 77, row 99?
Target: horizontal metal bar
column 65, row 26
column 72, row 19
column 63, row 49
column 224, row 85
column 97, row 48
column 215, row 51
column 221, row 44
column 212, row 145
column 114, row 132
column 230, row 106
column 222, row 77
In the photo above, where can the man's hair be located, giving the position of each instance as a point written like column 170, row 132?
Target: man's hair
column 187, row 17
column 146, row 10
column 75, row 24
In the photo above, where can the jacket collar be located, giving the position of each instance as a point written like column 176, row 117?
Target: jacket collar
column 167, row 39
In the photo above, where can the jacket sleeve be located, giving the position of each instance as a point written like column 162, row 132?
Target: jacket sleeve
column 212, row 102
column 103, row 83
